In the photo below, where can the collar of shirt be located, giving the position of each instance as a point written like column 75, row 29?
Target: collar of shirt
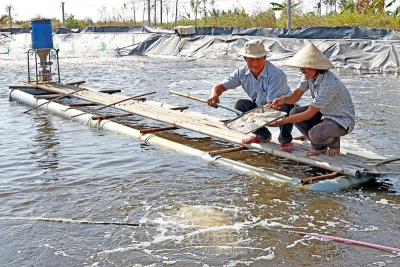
column 319, row 79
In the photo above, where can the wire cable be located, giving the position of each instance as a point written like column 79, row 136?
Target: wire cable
column 332, row 238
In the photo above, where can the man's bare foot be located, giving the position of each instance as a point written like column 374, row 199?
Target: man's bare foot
column 333, row 152
column 315, row 152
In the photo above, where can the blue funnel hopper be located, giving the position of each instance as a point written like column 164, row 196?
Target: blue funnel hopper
column 42, row 44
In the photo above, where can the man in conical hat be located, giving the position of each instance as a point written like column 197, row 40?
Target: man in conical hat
column 331, row 113
column 263, row 82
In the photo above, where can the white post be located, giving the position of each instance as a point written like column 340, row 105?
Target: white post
column 176, row 12
column 63, row 15
column 9, row 16
column 289, row 14
column 148, row 12
column 320, row 8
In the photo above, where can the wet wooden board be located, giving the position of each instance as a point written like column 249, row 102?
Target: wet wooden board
column 384, row 166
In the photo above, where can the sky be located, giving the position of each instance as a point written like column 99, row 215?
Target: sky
column 81, row 9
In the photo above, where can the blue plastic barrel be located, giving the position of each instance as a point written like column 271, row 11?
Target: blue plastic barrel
column 41, row 34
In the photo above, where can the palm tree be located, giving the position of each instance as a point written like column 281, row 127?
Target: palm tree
column 283, row 7
column 286, row 8
column 3, row 17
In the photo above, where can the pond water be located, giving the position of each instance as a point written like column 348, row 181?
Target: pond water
column 190, row 213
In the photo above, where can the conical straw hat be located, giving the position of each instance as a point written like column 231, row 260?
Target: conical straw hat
column 310, row 57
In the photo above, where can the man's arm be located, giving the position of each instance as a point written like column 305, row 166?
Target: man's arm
column 290, row 99
column 305, row 115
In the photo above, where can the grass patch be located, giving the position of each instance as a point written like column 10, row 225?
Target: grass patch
column 240, row 19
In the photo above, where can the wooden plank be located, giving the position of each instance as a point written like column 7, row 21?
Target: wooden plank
column 22, row 87
column 82, row 104
column 105, row 117
column 75, row 83
column 33, row 90
column 384, row 166
column 110, row 91
column 158, row 129
column 48, row 96
column 116, row 103
column 226, row 150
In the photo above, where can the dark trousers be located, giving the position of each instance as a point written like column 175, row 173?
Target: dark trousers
column 321, row 133
column 285, row 135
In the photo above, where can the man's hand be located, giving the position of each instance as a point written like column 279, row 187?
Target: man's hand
column 276, row 104
column 212, row 101
column 275, row 123
column 216, row 91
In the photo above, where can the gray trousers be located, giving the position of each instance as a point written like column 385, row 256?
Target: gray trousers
column 321, row 133
column 285, row 135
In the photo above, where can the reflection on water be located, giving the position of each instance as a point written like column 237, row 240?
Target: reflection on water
column 191, row 213
column 46, row 144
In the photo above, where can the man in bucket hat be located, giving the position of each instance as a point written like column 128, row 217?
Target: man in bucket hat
column 331, row 113
column 263, row 82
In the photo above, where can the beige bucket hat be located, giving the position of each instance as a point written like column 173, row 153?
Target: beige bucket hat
column 310, row 57
column 253, row 49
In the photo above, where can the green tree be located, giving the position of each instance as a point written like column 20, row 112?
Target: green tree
column 283, row 7
column 2, row 18
column 396, row 12
column 368, row 6
column 71, row 22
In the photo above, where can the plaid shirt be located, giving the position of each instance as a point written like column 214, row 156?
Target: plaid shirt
column 271, row 83
column 333, row 99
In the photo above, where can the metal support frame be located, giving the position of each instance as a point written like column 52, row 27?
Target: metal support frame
column 37, row 75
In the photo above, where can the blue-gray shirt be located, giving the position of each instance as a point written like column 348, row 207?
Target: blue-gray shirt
column 333, row 99
column 271, row 83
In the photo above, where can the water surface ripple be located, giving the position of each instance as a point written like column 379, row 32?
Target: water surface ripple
column 190, row 213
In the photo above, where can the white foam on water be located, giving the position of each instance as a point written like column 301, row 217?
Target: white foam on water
column 202, row 216
column 198, row 227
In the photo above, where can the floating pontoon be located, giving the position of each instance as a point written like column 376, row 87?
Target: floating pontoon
column 348, row 170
